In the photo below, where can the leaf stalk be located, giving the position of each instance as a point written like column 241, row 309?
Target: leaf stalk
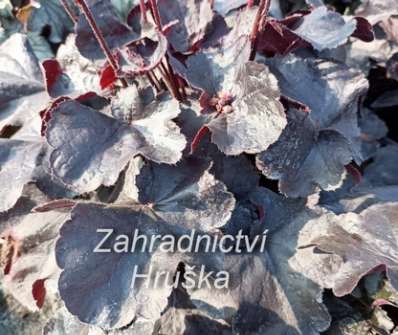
column 100, row 38
column 261, row 13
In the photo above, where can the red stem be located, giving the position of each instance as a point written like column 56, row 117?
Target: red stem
column 143, row 11
column 157, row 81
column 181, row 84
column 169, row 82
column 167, row 71
column 156, row 15
column 69, row 11
column 172, row 75
column 198, row 137
column 153, row 82
column 262, row 12
column 100, row 38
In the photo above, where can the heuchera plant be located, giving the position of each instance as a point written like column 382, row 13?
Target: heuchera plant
column 173, row 116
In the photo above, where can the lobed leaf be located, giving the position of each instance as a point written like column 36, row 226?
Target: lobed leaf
column 89, row 148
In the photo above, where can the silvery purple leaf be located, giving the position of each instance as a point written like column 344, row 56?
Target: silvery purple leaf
column 240, row 23
column 50, row 13
column 337, row 88
column 267, row 293
column 124, row 7
column 89, row 148
column 127, row 105
column 31, row 197
column 181, row 316
column 360, row 198
column 389, row 27
column 116, row 33
column 22, row 89
column 225, row 6
column 326, row 139
column 34, row 238
column 98, row 287
column 314, row 159
column 211, row 69
column 315, row 3
column 171, row 203
column 257, row 118
column 377, row 10
column 253, row 118
column 141, row 326
column 379, row 184
column 143, row 55
column 186, row 195
column 63, row 323
column 382, row 170
column 361, row 242
column 82, row 72
column 373, row 130
column 19, row 68
column 325, row 29
column 194, row 19
column 361, row 54
column 18, row 162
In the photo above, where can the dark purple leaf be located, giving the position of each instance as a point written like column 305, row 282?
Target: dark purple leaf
column 265, row 283
column 89, row 148
column 382, row 171
column 392, row 67
column 379, row 184
column 277, row 39
column 186, row 195
column 115, row 32
column 50, row 13
column 98, row 289
column 387, row 99
column 314, row 148
column 212, row 69
column 373, row 130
